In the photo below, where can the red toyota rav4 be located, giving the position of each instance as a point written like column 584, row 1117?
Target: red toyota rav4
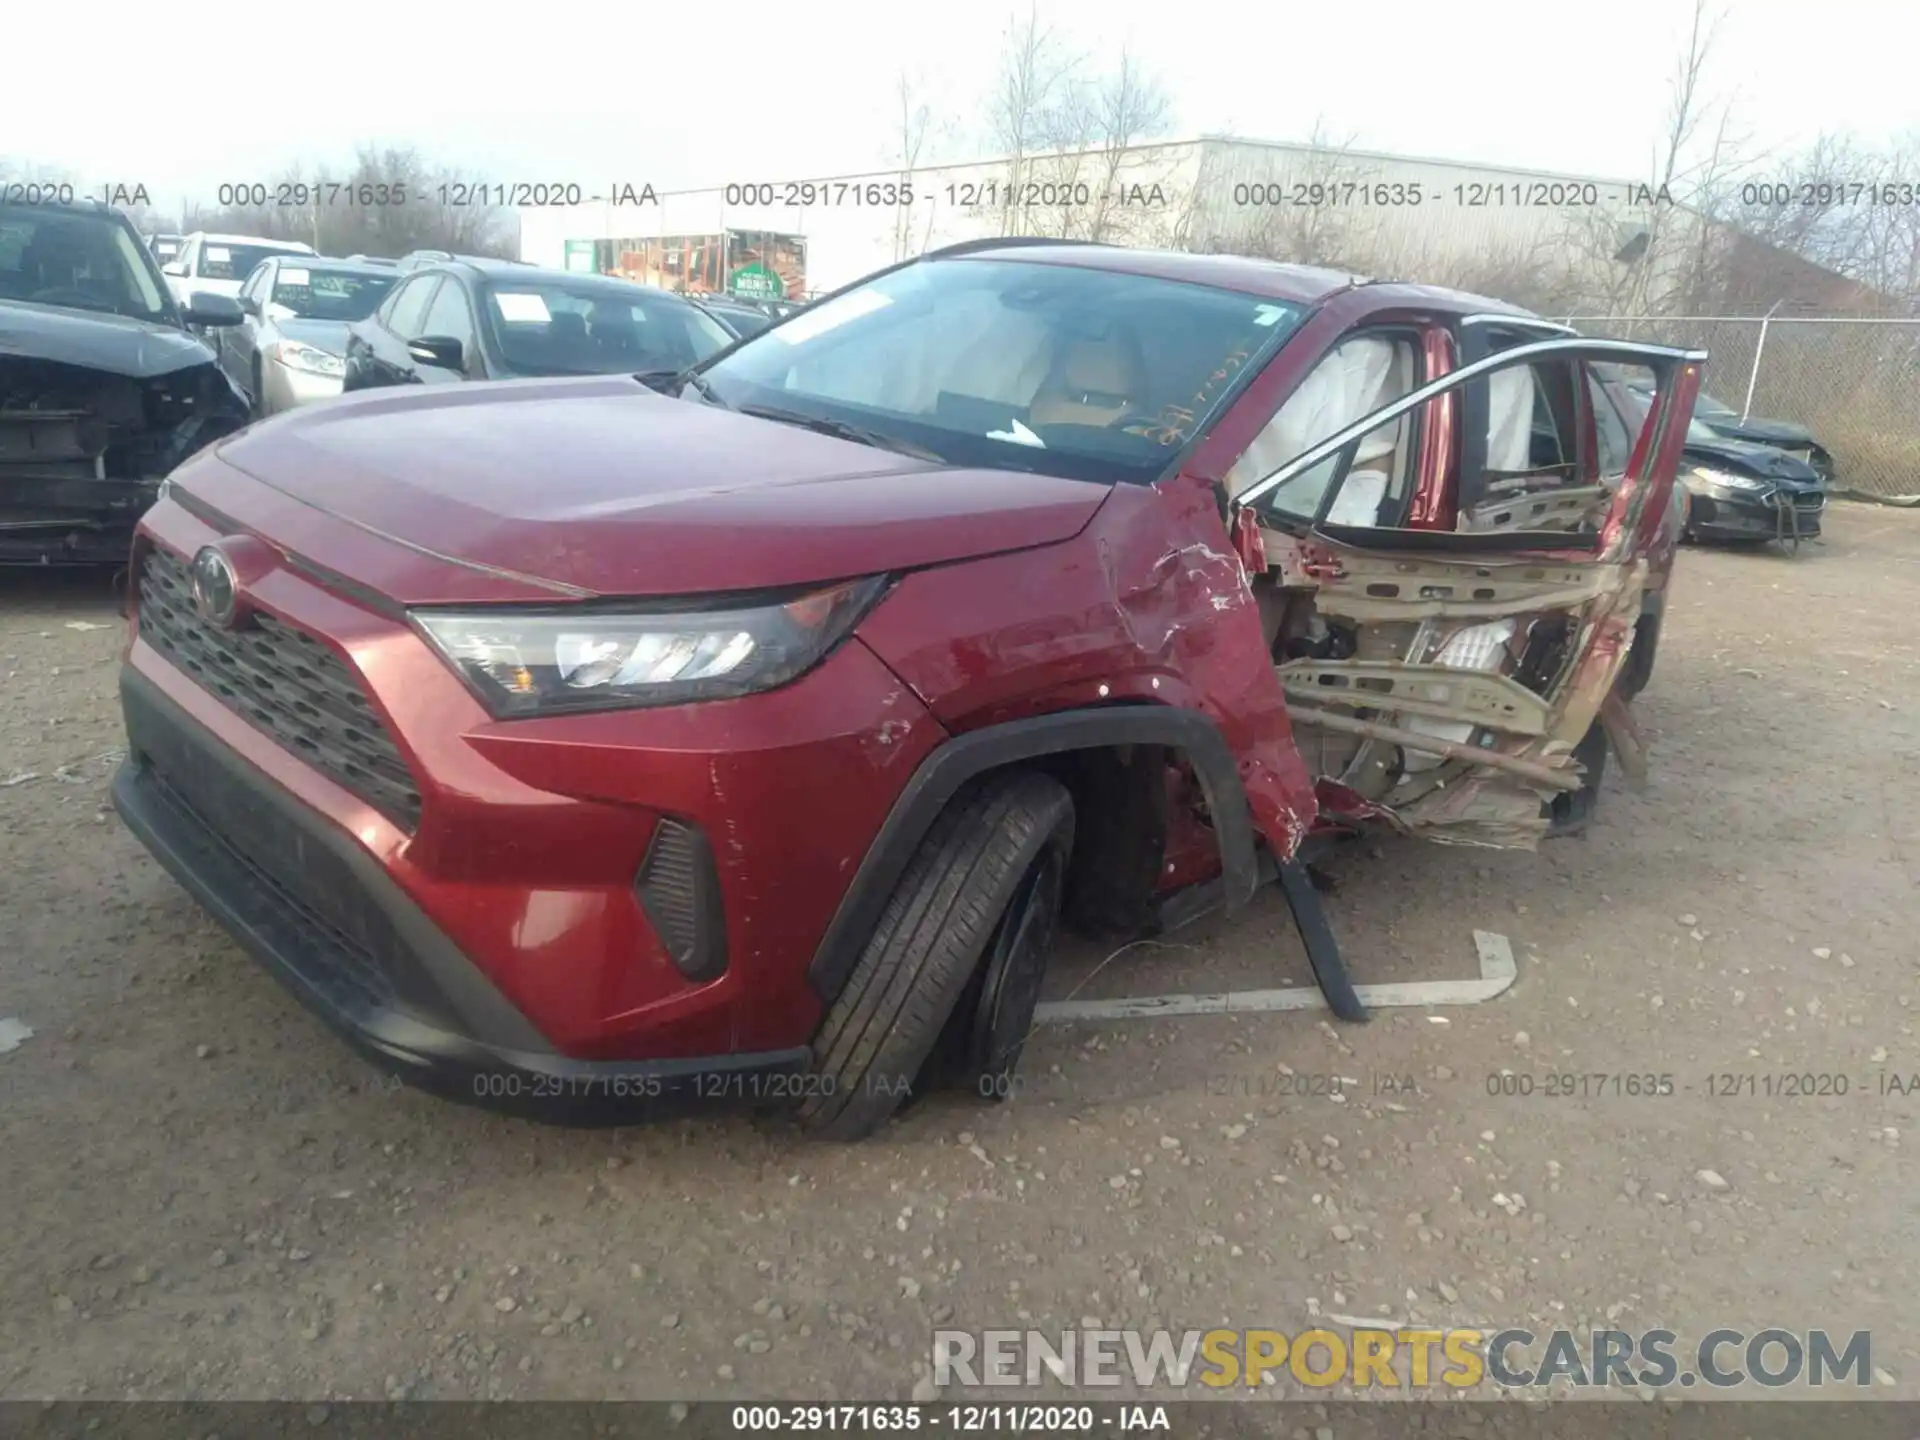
column 574, row 745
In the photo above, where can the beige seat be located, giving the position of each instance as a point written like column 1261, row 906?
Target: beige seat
column 1091, row 382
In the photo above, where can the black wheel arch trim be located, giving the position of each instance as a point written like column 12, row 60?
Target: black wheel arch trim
column 975, row 752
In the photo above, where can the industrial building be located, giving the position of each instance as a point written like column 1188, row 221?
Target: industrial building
column 1441, row 220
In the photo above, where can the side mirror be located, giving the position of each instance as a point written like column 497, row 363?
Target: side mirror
column 177, row 268
column 443, row 352
column 205, row 308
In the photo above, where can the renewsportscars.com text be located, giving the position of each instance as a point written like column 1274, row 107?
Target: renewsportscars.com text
column 1378, row 1359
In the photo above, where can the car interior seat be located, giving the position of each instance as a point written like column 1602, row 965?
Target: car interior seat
column 1092, row 382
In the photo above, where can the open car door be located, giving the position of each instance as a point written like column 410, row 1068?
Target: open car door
column 1454, row 673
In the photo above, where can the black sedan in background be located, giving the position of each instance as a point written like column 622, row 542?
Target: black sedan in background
column 497, row 320
column 1723, row 420
column 1741, row 491
column 739, row 317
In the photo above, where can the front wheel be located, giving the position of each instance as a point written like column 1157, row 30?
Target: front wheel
column 987, row 875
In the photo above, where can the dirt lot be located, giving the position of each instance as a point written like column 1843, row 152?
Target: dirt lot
column 207, row 1196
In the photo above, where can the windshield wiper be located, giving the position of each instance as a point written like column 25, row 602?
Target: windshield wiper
column 671, row 382
column 843, row 430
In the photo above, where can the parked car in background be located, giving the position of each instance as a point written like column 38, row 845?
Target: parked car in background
column 570, row 746
column 414, row 259
column 496, row 319
column 738, row 317
column 374, row 260
column 1741, row 491
column 1795, row 439
column 291, row 348
column 220, row 264
column 103, row 388
column 166, row 248
column 1745, row 492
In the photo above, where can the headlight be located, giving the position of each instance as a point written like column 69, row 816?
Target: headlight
column 537, row 661
column 295, row 356
column 1727, row 480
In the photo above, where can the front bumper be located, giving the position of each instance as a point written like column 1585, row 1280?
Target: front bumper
column 313, row 907
column 283, row 388
column 1775, row 515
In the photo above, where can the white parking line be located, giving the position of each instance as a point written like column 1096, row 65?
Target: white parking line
column 1497, row 972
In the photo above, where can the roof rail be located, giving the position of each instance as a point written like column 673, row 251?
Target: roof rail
column 1005, row 242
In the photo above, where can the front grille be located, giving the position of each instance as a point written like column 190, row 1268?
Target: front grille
column 284, row 681
column 345, row 956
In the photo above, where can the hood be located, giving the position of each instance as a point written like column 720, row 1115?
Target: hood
column 94, row 340
column 1747, row 458
column 327, row 335
column 212, row 287
column 600, row 484
column 1764, row 432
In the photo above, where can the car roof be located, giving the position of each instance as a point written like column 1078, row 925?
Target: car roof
column 329, row 262
column 480, row 267
column 295, row 246
column 1249, row 275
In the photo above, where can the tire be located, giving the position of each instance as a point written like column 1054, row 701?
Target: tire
column 923, row 953
column 1571, row 811
column 1638, row 670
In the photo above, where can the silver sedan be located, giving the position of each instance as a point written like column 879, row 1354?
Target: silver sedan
column 288, row 350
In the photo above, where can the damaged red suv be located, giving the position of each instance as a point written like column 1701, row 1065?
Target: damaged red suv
column 577, row 746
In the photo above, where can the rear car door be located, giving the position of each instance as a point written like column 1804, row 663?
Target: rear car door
column 239, row 343
column 450, row 317
column 1446, row 644
column 377, row 350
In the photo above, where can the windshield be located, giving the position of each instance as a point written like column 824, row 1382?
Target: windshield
column 80, row 259
column 554, row 327
column 1063, row 370
column 305, row 293
column 165, row 247
column 224, row 260
column 1705, row 404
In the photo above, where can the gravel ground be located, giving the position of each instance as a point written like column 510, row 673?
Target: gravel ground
column 208, row 1197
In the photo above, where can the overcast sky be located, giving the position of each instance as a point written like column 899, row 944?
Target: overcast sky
column 693, row 95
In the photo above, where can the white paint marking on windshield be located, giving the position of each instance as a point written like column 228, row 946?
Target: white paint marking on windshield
column 295, row 277
column 1018, row 434
column 1267, row 314
column 518, row 306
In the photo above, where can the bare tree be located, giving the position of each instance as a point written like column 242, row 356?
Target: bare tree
column 1030, row 89
column 1307, row 234
column 388, row 202
column 1129, row 106
column 1678, row 168
column 916, row 125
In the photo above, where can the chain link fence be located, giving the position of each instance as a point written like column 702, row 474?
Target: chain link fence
column 1855, row 383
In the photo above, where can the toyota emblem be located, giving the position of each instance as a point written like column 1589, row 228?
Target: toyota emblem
column 216, row 593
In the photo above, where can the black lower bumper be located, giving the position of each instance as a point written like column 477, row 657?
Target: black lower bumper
column 314, row 908
column 1782, row 518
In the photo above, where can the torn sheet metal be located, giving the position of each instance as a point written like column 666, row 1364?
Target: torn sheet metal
column 1464, row 738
